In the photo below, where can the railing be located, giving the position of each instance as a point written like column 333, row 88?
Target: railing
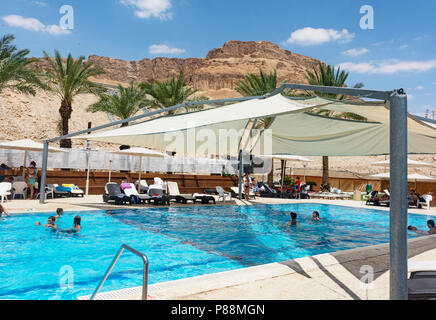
column 145, row 273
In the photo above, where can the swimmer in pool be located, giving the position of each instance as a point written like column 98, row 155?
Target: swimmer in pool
column 50, row 223
column 4, row 212
column 76, row 227
column 293, row 221
column 59, row 213
column 430, row 225
column 316, row 216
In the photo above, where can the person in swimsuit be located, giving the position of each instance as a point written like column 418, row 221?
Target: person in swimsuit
column 76, row 227
column 430, row 225
column 4, row 211
column 32, row 177
column 50, row 224
column 59, row 213
column 316, row 216
column 247, row 186
column 293, row 221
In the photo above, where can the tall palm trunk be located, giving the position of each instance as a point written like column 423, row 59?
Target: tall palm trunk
column 65, row 111
column 325, row 186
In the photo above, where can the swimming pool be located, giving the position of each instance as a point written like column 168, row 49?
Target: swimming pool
column 180, row 242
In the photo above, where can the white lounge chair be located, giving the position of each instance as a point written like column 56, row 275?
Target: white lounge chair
column 173, row 191
column 130, row 192
column 48, row 191
column 428, row 199
column 143, row 186
column 223, row 194
column 19, row 189
column 159, row 181
column 5, row 190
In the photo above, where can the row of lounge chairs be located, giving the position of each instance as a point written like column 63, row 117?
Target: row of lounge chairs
column 127, row 193
column 377, row 199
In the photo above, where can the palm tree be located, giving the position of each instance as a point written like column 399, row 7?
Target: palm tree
column 330, row 77
column 260, row 85
column 14, row 71
column 170, row 93
column 69, row 79
column 123, row 105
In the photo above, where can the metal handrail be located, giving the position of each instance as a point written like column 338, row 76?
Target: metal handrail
column 145, row 274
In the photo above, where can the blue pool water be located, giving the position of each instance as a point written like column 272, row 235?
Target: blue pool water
column 180, row 242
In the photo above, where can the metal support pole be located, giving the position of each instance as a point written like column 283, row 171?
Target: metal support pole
column 44, row 173
column 398, row 199
column 241, row 169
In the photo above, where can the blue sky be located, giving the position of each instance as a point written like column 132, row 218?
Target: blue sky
column 399, row 52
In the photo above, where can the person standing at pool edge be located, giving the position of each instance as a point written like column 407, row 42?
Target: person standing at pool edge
column 247, row 186
column 298, row 184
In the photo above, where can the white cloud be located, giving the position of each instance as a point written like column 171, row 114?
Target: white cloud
column 33, row 24
column 355, row 52
column 310, row 36
column 419, row 88
column 150, row 8
column 389, row 67
column 40, row 3
column 164, row 49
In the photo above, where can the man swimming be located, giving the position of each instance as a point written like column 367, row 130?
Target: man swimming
column 50, row 223
column 293, row 221
column 316, row 216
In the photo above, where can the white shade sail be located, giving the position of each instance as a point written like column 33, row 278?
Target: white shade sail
column 292, row 130
column 410, row 164
column 288, row 158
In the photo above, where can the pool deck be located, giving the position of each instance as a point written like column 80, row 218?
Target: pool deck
column 332, row 276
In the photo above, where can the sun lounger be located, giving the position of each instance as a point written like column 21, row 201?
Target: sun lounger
column 373, row 199
column 173, row 191
column 130, row 191
column 222, row 194
column 204, row 198
column 114, row 193
column 143, row 186
column 159, row 181
column 157, row 195
column 422, row 282
column 74, row 190
column 268, row 192
column 427, row 201
column 60, row 191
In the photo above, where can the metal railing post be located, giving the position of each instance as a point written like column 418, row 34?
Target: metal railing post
column 43, row 173
column 398, row 199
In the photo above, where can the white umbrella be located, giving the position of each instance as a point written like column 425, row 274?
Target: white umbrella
column 141, row 152
column 285, row 158
column 411, row 177
column 27, row 145
column 410, row 164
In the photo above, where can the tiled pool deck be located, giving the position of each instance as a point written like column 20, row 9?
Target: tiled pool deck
column 324, row 277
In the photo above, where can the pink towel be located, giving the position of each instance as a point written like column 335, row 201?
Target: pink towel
column 125, row 186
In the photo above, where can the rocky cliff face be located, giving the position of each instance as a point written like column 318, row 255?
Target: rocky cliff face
column 221, row 69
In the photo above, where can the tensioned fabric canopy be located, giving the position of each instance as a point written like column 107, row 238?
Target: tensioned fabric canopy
column 294, row 131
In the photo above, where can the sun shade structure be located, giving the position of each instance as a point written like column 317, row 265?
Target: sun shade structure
column 399, row 134
column 410, row 177
column 26, row 145
column 141, row 152
column 296, row 129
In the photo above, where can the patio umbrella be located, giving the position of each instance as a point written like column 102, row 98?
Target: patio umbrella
column 411, row 177
column 285, row 158
column 410, row 164
column 26, row 145
column 141, row 152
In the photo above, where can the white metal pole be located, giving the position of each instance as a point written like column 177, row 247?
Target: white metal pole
column 110, row 170
column 140, row 171
column 87, row 172
column 24, row 164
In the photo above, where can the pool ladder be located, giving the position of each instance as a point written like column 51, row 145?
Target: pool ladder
column 145, row 272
